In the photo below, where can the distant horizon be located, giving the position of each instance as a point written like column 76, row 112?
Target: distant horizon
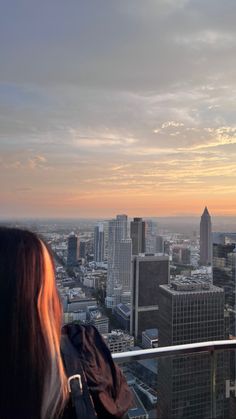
column 50, row 218
column 175, row 224
column 91, row 214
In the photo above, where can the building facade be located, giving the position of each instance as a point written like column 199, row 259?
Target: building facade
column 151, row 233
column 99, row 243
column 191, row 311
column 122, row 315
column 148, row 273
column 181, row 255
column 137, row 234
column 119, row 260
column 97, row 319
column 224, row 260
column 150, row 338
column 119, row 341
column 72, row 250
column 159, row 244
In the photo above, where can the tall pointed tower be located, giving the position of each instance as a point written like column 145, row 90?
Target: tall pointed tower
column 205, row 239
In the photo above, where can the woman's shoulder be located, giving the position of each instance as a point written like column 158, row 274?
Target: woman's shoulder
column 82, row 335
column 71, row 328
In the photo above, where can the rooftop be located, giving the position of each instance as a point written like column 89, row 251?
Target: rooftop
column 124, row 309
column 189, row 285
column 118, row 334
column 151, row 333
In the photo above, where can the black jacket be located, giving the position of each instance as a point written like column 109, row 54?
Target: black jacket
column 108, row 388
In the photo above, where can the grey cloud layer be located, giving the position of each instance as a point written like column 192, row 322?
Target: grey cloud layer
column 129, row 44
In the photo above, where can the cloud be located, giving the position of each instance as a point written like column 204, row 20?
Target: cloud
column 21, row 162
column 103, row 138
column 207, row 38
column 117, row 97
column 37, row 162
column 123, row 45
column 219, row 137
column 172, row 124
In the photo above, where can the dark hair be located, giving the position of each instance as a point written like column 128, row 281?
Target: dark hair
column 31, row 369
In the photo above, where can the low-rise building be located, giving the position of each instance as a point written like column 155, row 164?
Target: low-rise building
column 122, row 315
column 150, row 338
column 101, row 323
column 78, row 316
column 97, row 319
column 118, row 341
column 80, row 303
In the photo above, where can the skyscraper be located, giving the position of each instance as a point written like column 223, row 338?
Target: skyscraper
column 72, row 254
column 137, row 233
column 190, row 311
column 119, row 260
column 181, row 255
column 99, row 243
column 151, row 233
column 224, row 259
column 106, row 234
column 125, row 255
column 205, row 239
column 159, row 244
column 224, row 276
column 148, row 273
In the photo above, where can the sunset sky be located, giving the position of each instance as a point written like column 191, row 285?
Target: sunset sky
column 112, row 106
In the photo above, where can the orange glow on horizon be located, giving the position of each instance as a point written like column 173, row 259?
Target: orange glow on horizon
column 104, row 204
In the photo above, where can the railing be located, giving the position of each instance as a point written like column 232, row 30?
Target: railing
column 165, row 351
column 183, row 381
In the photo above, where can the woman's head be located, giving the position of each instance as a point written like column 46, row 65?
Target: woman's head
column 33, row 383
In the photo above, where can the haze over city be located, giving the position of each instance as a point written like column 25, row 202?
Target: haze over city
column 117, row 107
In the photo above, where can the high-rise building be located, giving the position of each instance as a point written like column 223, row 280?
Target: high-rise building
column 224, row 260
column 223, row 238
column 119, row 260
column 72, row 253
column 125, row 256
column 137, row 233
column 190, row 311
column 159, row 244
column 224, row 276
column 167, row 247
column 181, row 255
column 85, row 249
column 151, row 233
column 186, row 256
column 106, row 235
column 205, row 239
column 148, row 273
column 99, row 243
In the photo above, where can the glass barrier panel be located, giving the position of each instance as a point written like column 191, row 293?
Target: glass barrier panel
column 200, row 386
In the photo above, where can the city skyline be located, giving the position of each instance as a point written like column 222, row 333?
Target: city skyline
column 117, row 107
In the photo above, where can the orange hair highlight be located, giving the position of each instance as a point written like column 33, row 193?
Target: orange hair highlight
column 50, row 314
